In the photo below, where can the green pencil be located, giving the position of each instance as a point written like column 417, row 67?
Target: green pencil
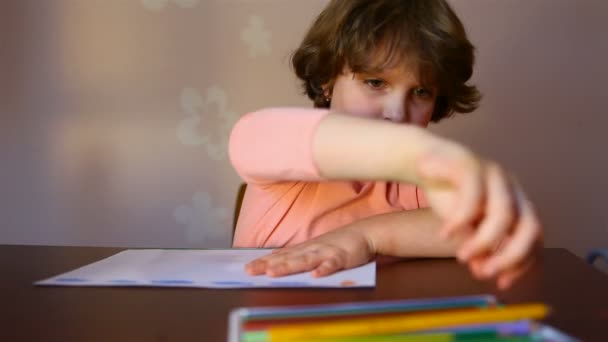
column 262, row 336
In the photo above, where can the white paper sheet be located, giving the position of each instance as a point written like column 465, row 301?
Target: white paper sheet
column 198, row 268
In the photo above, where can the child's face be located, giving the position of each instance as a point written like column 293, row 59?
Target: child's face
column 392, row 94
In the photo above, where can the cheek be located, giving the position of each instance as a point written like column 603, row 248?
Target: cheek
column 421, row 115
column 357, row 104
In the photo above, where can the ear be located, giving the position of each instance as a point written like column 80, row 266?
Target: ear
column 327, row 88
column 327, row 93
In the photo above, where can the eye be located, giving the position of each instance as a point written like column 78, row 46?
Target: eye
column 375, row 83
column 422, row 92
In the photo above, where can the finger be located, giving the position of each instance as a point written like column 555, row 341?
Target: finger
column 526, row 234
column 260, row 265
column 256, row 267
column 475, row 265
column 468, row 179
column 498, row 216
column 303, row 262
column 328, row 267
column 507, row 278
column 280, row 254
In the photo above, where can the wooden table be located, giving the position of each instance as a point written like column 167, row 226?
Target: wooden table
column 577, row 293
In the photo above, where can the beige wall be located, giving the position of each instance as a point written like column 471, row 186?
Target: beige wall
column 114, row 113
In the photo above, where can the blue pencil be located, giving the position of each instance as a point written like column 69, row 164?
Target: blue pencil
column 362, row 308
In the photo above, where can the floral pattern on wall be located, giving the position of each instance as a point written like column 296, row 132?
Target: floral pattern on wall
column 257, row 37
column 192, row 130
column 205, row 222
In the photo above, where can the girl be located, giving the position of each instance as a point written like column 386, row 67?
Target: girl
column 347, row 176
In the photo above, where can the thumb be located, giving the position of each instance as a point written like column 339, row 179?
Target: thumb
column 454, row 186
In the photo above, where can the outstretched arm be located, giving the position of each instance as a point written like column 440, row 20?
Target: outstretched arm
column 466, row 193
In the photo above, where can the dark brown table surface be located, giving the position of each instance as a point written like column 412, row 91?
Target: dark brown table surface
column 577, row 293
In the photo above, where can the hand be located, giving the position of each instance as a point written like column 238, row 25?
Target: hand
column 342, row 248
column 507, row 241
column 468, row 192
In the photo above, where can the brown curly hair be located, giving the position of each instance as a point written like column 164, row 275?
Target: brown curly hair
column 426, row 33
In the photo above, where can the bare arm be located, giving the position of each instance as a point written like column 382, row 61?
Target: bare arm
column 352, row 148
column 412, row 233
column 295, row 144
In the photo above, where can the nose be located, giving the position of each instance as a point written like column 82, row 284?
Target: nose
column 395, row 109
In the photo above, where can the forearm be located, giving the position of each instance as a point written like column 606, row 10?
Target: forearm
column 412, row 233
column 352, row 148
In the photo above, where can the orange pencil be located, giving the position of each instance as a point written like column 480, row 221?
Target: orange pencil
column 407, row 323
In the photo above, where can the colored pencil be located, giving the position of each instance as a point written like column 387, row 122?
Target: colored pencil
column 475, row 332
column 431, row 337
column 406, row 323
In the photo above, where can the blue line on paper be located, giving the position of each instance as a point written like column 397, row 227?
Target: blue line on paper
column 123, row 281
column 71, row 280
column 232, row 283
column 172, row 282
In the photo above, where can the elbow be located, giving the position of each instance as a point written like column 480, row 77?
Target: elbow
column 239, row 143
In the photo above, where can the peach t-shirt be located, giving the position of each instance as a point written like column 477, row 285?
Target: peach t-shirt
column 287, row 201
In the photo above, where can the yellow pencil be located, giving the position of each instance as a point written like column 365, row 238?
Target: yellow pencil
column 403, row 323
